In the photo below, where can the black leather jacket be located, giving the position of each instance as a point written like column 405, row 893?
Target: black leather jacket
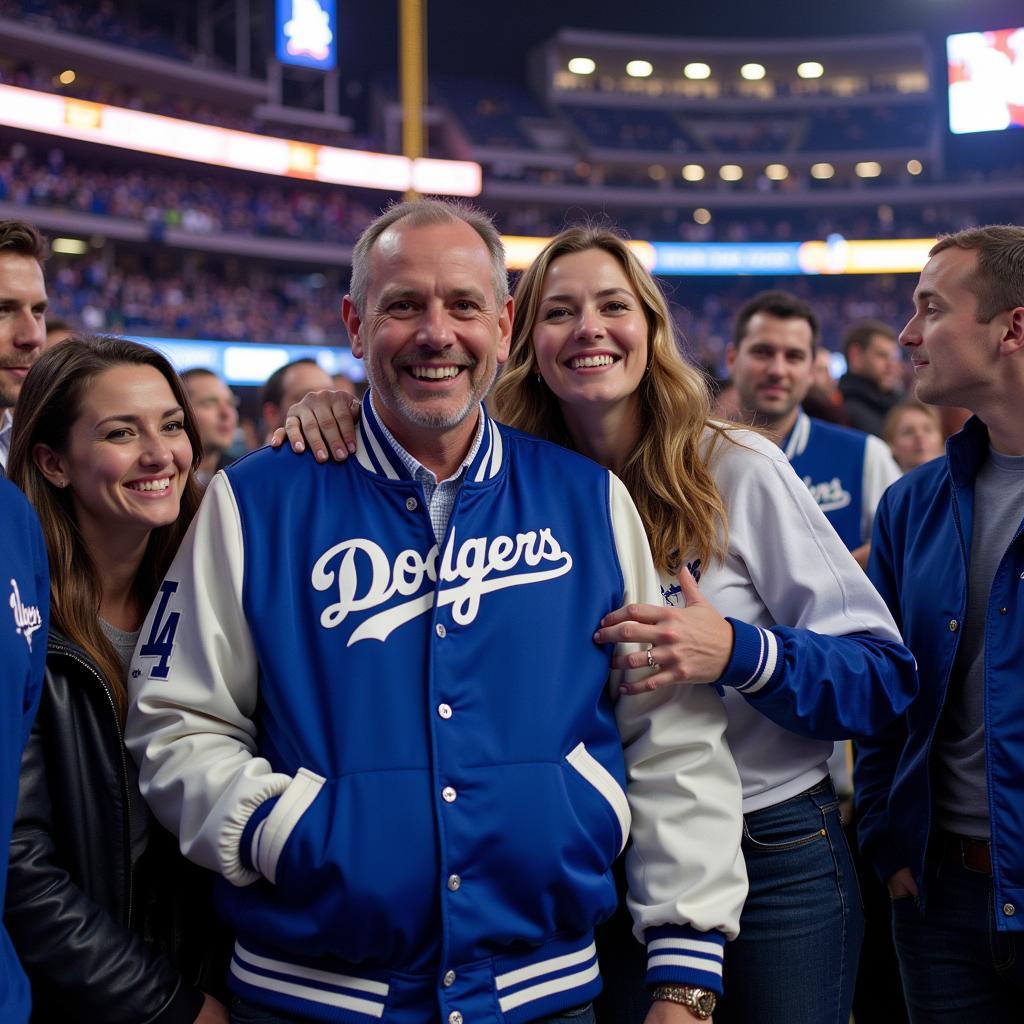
column 101, row 940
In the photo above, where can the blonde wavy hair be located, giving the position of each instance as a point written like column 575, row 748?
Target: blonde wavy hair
column 668, row 475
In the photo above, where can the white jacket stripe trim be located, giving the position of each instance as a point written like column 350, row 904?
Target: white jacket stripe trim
column 769, row 660
column 315, row 995
column 696, row 962
column 269, row 842
column 688, row 945
column 482, row 467
column 760, row 663
column 800, row 436
column 377, row 988
column 496, row 452
column 389, row 469
column 547, row 988
column 558, row 963
column 604, row 782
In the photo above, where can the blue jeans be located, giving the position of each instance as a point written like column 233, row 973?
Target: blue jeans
column 955, row 965
column 243, row 1012
column 802, row 925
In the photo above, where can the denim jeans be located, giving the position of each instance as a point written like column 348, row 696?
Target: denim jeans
column 802, row 925
column 955, row 965
column 243, row 1012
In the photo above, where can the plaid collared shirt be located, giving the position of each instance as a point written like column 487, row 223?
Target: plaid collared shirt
column 440, row 496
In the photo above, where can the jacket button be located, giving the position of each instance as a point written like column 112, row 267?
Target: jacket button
column 953, row 625
column 448, row 795
column 449, row 979
column 444, row 710
column 411, row 504
column 1009, row 909
column 440, row 631
column 455, row 1017
column 454, row 884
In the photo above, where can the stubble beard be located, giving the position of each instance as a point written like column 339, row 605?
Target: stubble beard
column 412, row 412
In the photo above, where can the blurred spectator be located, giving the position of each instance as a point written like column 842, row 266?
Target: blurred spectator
column 57, row 330
column 870, row 385
column 913, row 431
column 290, row 384
column 216, row 410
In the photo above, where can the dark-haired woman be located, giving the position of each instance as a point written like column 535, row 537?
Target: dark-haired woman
column 107, row 919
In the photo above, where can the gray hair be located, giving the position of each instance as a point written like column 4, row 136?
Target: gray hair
column 424, row 213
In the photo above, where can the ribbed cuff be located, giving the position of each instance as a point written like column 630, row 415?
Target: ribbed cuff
column 245, row 848
column 681, row 955
column 756, row 661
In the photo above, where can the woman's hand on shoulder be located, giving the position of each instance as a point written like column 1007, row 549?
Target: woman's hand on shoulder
column 691, row 644
column 323, row 420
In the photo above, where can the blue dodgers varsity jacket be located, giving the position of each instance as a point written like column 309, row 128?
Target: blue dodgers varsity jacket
column 920, row 554
column 404, row 755
column 24, row 621
column 846, row 471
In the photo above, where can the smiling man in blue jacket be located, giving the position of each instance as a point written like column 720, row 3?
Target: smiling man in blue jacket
column 941, row 794
column 368, row 696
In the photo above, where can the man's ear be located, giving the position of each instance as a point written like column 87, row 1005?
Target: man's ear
column 51, row 464
column 506, row 316
column 1012, row 340
column 352, row 325
column 730, row 357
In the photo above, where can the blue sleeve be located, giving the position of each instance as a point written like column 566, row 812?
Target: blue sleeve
column 878, row 754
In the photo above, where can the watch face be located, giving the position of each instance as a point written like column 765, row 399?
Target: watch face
column 706, row 1003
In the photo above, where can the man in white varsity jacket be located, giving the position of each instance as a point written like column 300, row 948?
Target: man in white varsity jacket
column 369, row 697
column 771, row 362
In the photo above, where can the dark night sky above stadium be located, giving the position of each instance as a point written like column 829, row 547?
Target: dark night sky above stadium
column 491, row 37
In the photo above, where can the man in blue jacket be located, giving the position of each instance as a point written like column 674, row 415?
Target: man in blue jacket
column 941, row 793
column 368, row 696
column 26, row 603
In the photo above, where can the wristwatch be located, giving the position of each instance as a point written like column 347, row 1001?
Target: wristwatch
column 701, row 1001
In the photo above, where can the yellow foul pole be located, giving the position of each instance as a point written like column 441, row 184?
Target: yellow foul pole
column 412, row 61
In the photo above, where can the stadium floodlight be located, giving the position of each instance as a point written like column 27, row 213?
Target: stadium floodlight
column 730, row 172
column 69, row 246
column 639, row 69
column 810, row 69
column 67, row 77
column 697, row 71
column 753, row 72
column 914, row 167
column 822, row 171
column 702, row 215
column 776, row 172
column 581, row 66
column 693, row 172
column 867, row 169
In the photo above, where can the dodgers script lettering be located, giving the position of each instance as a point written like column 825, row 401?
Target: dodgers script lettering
column 366, row 579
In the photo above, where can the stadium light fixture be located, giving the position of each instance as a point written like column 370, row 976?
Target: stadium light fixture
column 810, row 69
column 730, row 172
column 701, row 215
column 697, row 71
column 693, row 172
column 914, row 167
column 752, row 72
column 69, row 246
column 582, row 66
column 67, row 77
column 867, row 169
column 639, row 69
column 776, row 172
column 822, row 171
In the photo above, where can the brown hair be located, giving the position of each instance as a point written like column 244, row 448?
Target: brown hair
column 19, row 238
column 998, row 280
column 783, row 305
column 49, row 405
column 861, row 334
column 667, row 475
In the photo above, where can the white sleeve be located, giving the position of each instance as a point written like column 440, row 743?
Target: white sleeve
column 880, row 470
column 193, row 689
column 684, row 867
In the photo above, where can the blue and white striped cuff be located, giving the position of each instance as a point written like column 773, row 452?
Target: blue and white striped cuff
column 756, row 658
column 680, row 955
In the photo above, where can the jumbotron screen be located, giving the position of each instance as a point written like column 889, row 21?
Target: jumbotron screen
column 986, row 80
